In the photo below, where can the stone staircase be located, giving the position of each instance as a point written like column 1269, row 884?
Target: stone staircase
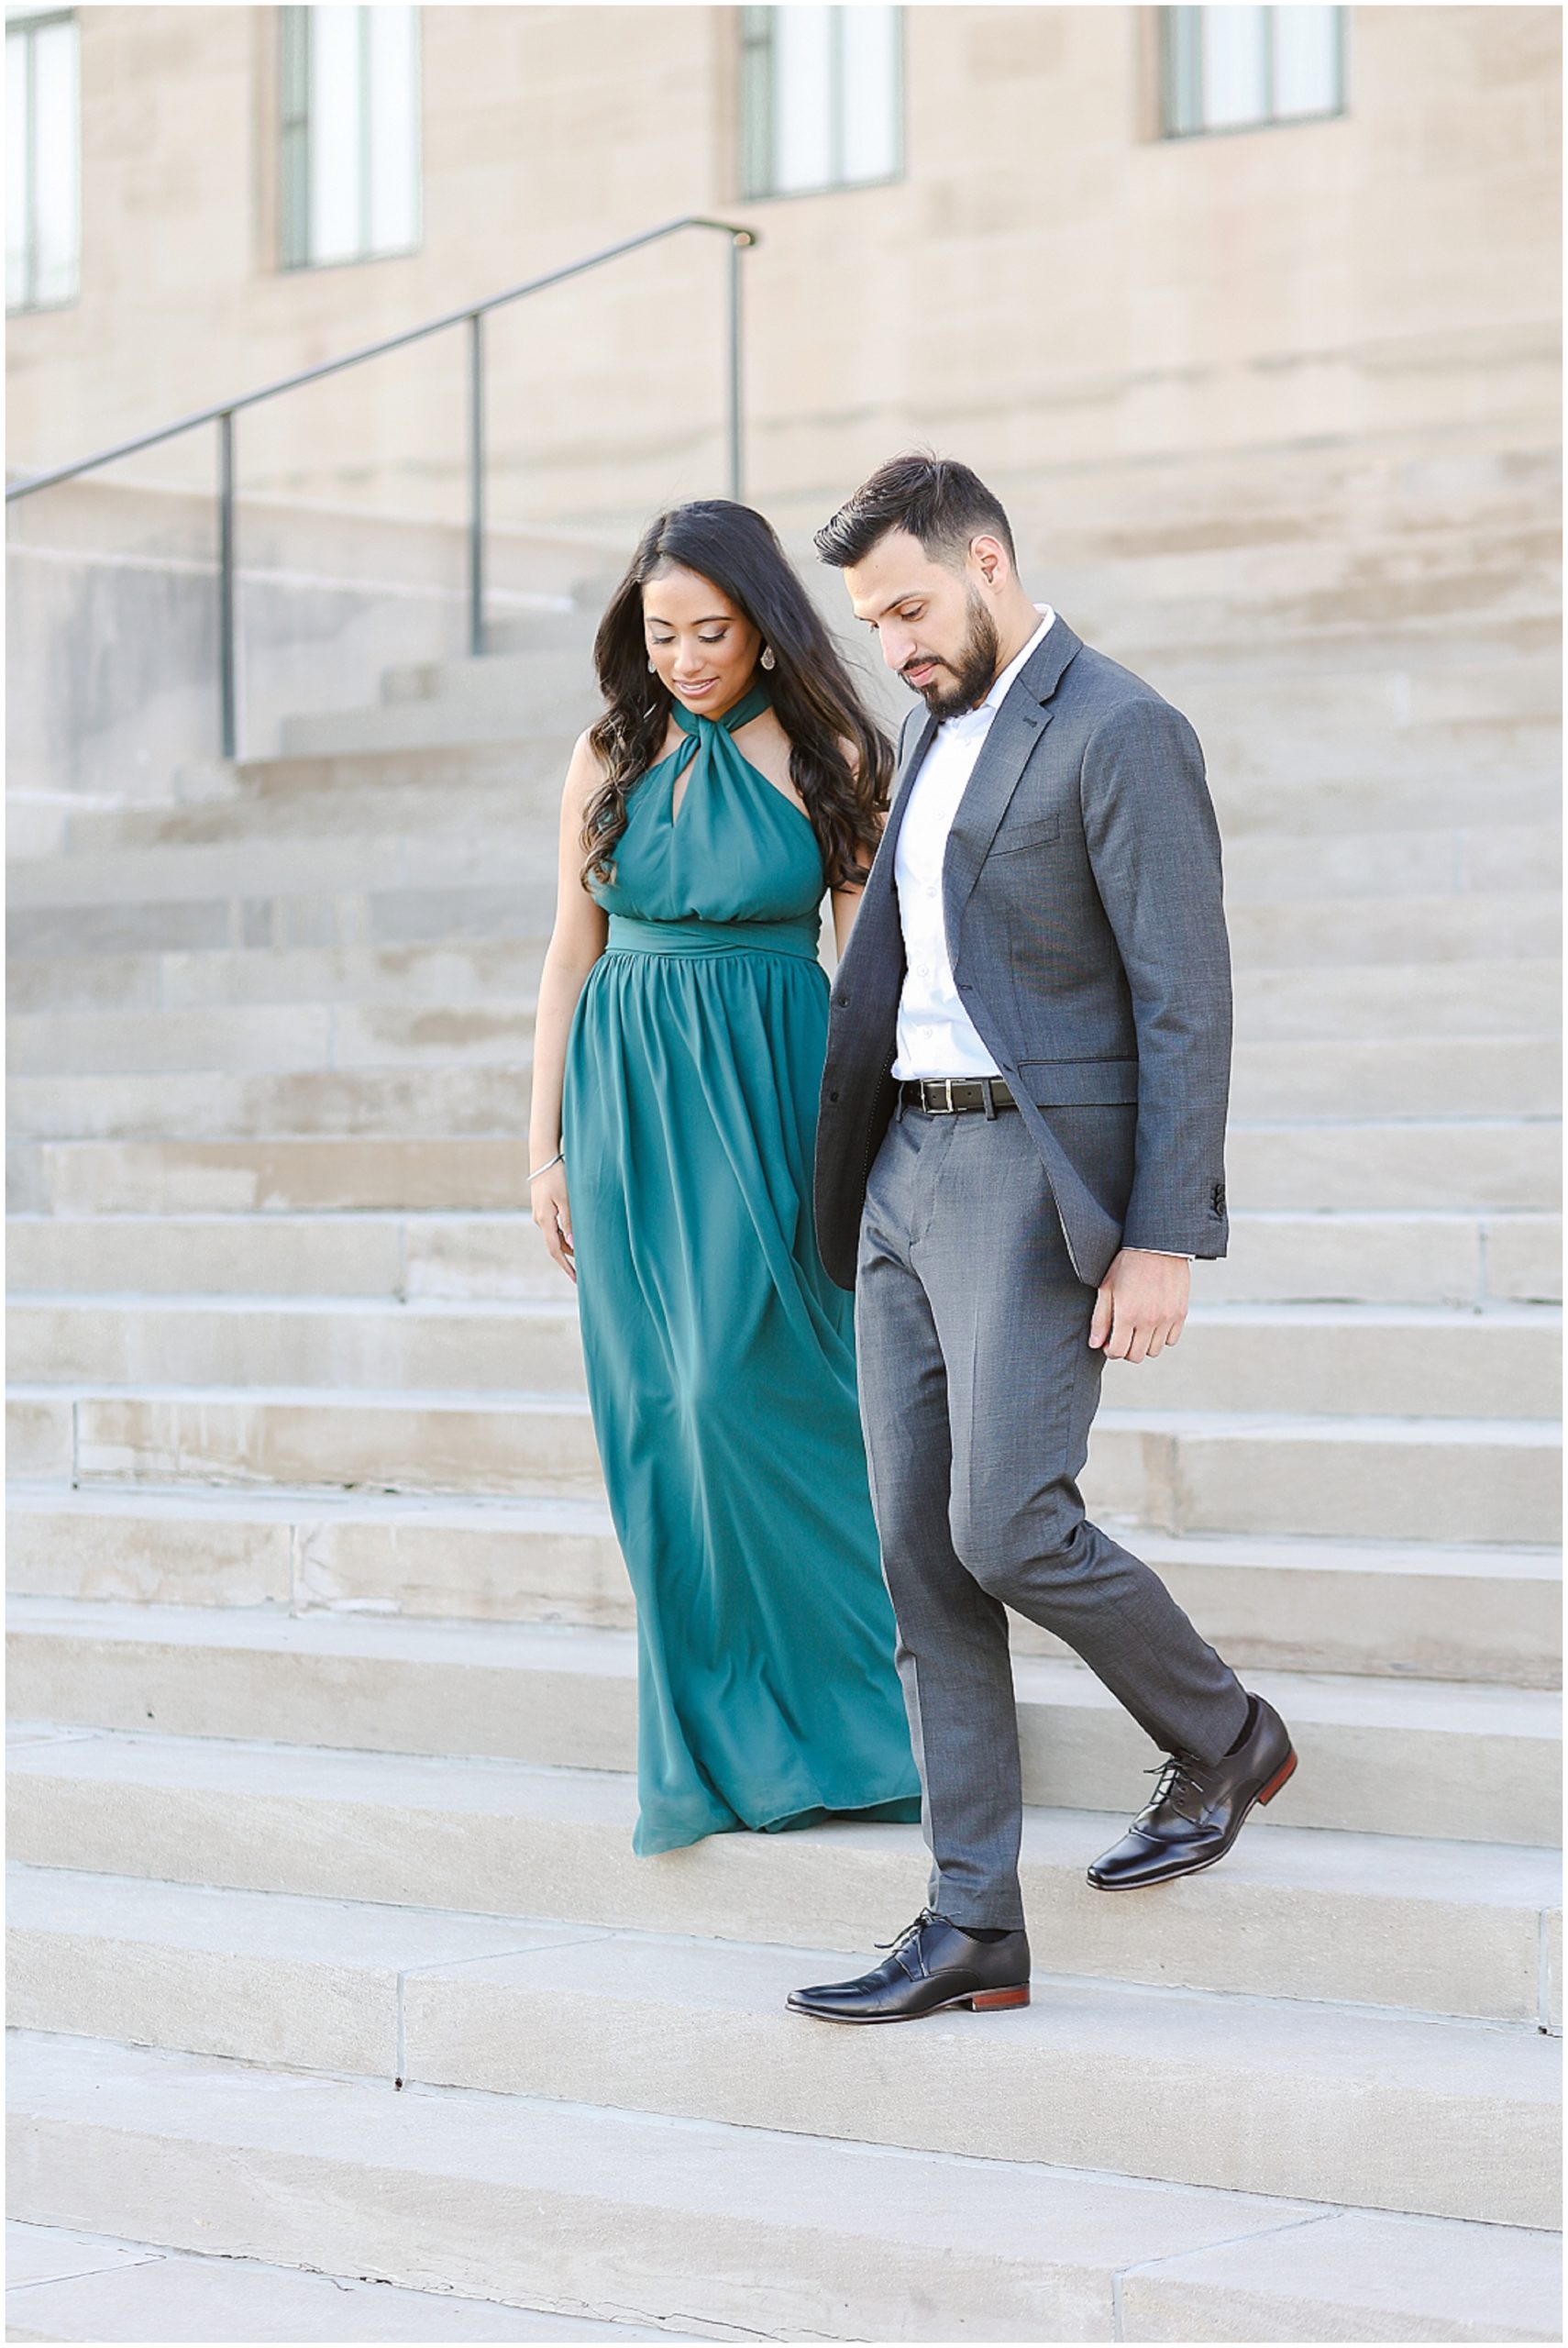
column 329, row 1958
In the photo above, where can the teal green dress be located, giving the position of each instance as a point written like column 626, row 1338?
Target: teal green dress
column 719, row 1357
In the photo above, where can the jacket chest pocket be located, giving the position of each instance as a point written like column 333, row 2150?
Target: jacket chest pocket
column 1033, row 832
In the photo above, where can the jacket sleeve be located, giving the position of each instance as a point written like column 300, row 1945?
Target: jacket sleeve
column 1153, row 847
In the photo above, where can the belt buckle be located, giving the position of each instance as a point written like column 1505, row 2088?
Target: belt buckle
column 948, row 1109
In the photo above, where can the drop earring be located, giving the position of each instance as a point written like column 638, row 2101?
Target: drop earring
column 651, row 670
column 768, row 660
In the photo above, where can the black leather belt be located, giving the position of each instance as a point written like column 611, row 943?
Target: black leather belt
column 952, row 1096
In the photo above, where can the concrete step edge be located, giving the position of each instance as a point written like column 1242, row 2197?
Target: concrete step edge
column 949, row 2234
column 1278, row 1552
column 1212, row 1425
column 211, row 1918
column 592, row 1656
column 72, row 2285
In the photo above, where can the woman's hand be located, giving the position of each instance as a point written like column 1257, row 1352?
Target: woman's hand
column 552, row 1212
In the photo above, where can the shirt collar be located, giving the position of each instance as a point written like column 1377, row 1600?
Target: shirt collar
column 985, row 710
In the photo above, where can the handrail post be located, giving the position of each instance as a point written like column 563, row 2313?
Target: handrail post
column 475, row 483
column 734, row 369
column 227, row 695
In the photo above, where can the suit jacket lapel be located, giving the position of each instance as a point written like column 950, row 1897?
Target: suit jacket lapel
column 1009, row 746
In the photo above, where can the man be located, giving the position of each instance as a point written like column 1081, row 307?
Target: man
column 1020, row 1149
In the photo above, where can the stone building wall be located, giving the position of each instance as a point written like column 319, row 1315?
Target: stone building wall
column 1051, row 288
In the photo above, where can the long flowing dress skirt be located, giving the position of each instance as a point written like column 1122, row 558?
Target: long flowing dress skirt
column 721, row 1373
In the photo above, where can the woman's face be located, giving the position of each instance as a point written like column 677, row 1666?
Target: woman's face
column 704, row 649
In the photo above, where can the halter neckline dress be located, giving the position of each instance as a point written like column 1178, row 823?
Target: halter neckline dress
column 719, row 1355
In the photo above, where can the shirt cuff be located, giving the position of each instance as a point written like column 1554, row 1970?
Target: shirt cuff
column 1174, row 1252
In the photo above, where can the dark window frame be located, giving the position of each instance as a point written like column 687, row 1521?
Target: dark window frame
column 1181, row 81
column 295, row 77
column 758, row 162
column 26, row 30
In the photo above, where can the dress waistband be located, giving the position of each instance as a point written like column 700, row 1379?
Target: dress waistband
column 628, row 935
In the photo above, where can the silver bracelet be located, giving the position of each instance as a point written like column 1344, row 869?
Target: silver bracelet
column 560, row 1158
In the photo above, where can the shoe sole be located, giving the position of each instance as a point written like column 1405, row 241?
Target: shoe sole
column 978, row 2001
column 1170, row 1874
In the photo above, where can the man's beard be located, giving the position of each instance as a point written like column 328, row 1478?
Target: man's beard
column 974, row 672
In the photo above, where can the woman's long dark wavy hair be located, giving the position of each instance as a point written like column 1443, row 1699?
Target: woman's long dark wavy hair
column 815, row 702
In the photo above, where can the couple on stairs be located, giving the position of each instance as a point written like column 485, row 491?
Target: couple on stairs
column 1015, row 1102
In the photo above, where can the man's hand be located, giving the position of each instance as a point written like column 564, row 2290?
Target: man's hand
column 1141, row 1306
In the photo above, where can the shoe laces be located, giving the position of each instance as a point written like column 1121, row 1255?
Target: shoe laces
column 902, row 1941
column 1179, row 1784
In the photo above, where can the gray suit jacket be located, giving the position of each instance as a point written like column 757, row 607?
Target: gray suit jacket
column 1082, row 900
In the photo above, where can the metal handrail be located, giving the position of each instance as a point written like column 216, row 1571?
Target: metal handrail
column 472, row 314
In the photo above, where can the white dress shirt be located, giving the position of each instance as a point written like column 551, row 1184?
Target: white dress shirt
column 937, row 1036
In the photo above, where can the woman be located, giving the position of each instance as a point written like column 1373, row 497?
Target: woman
column 678, row 1050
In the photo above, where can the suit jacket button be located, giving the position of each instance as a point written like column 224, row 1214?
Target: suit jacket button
column 833, row 1096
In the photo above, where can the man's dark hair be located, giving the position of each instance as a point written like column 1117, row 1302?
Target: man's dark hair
column 942, row 503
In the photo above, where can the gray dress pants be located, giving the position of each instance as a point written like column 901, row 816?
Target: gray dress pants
column 978, row 1388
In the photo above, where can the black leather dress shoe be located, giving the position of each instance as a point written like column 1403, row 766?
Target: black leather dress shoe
column 1198, row 1808
column 932, row 1964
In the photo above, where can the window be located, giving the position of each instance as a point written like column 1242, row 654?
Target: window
column 821, row 100
column 43, row 170
column 349, row 108
column 1233, row 68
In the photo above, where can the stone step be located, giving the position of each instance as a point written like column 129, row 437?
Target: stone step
column 1421, row 1076
column 404, row 1441
column 1384, row 1166
column 337, row 1342
column 444, row 975
column 736, row 2229
column 1482, row 927
column 1377, row 1756
column 1362, row 1005
column 1249, row 745
column 284, row 1039
column 1370, row 1920
column 1246, row 1472
column 63, row 2285
column 1261, row 806
column 1391, row 1259
column 1427, row 1077
column 1287, row 866
column 372, row 792
column 392, row 918
column 1451, row 2119
column 375, row 862
column 1413, row 1361
column 493, row 699
column 327, row 1175
column 1387, row 1163
column 1412, row 1609
column 487, row 1256
column 407, row 1103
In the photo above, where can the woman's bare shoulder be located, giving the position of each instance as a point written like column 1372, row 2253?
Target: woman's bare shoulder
column 586, row 770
